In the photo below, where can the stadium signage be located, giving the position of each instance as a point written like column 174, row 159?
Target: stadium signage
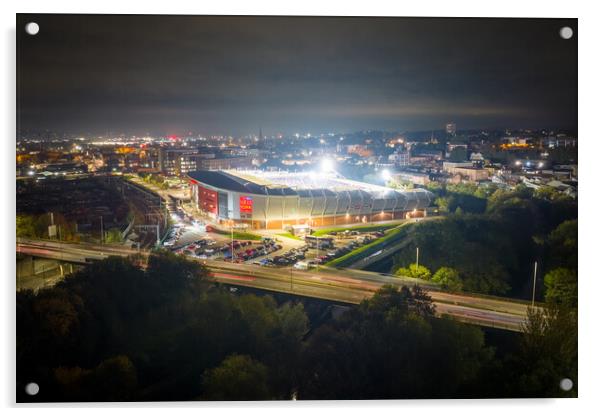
column 246, row 204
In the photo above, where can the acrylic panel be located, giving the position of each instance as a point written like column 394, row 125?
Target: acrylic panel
column 217, row 208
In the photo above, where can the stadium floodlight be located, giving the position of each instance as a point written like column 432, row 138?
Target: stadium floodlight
column 327, row 166
column 386, row 175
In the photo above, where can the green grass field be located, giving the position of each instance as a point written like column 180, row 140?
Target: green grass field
column 238, row 235
column 361, row 228
column 391, row 236
column 289, row 235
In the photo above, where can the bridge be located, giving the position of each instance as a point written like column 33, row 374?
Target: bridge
column 340, row 285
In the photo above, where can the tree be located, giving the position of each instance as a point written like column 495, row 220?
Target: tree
column 238, row 377
column 113, row 235
column 259, row 313
column 116, row 378
column 25, row 226
column 545, row 192
column 448, row 278
column 563, row 245
column 293, row 321
column 410, row 300
column 113, row 379
column 442, row 203
column 386, row 348
column 547, row 353
column 561, row 287
column 176, row 273
column 415, row 271
column 436, row 188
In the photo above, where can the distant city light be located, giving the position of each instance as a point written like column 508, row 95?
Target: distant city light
column 386, row 175
column 518, row 163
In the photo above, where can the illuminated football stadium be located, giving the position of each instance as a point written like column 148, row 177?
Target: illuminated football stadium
column 276, row 200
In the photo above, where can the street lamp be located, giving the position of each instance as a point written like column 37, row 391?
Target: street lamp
column 534, row 277
column 417, row 255
column 232, row 240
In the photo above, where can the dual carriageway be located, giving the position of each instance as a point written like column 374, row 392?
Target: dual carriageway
column 340, row 285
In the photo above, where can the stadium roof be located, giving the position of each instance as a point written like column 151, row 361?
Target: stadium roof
column 304, row 184
column 227, row 181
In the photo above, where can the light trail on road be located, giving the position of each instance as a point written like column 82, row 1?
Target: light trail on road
column 341, row 285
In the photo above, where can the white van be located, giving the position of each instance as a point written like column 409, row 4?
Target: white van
column 301, row 265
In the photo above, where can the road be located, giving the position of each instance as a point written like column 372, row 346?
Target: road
column 345, row 285
column 80, row 253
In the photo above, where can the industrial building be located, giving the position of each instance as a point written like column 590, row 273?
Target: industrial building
column 277, row 200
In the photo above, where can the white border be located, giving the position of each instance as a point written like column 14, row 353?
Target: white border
column 590, row 132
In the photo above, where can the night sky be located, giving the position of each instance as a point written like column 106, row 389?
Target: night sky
column 232, row 75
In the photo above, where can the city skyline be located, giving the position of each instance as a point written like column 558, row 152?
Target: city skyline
column 233, row 75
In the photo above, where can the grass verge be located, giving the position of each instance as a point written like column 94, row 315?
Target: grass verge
column 238, row 235
column 391, row 236
column 362, row 228
column 290, row 235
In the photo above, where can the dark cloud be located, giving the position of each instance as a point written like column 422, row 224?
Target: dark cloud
column 212, row 74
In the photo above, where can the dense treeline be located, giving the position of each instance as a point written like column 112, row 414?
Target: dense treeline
column 491, row 239
column 114, row 331
column 36, row 226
